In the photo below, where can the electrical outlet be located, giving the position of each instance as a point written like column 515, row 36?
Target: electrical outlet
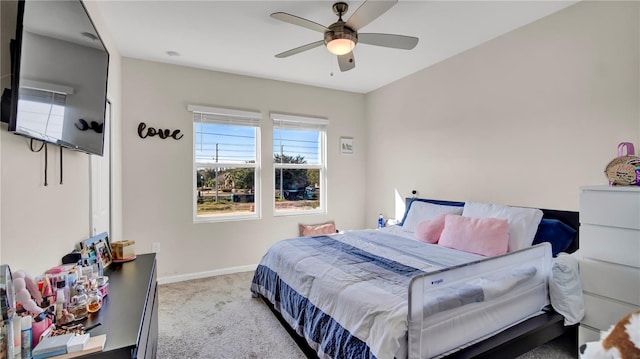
column 155, row 247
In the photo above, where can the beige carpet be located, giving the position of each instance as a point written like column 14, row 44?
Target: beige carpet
column 217, row 318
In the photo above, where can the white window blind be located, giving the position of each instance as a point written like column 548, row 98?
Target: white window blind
column 43, row 96
column 299, row 122
column 298, row 137
column 225, row 136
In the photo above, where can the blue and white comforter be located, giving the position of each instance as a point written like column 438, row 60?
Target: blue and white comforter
column 347, row 293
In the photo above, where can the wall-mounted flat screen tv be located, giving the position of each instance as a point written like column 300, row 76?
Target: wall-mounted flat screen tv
column 59, row 76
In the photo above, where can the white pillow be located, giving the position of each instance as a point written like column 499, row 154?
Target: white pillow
column 565, row 289
column 421, row 211
column 523, row 222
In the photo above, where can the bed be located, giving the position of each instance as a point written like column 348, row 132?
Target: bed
column 391, row 294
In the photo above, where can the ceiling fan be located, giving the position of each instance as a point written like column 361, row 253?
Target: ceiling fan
column 341, row 37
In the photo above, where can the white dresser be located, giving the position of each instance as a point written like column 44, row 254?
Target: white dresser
column 610, row 256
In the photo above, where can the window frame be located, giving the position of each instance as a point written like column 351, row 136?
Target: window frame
column 245, row 117
column 293, row 122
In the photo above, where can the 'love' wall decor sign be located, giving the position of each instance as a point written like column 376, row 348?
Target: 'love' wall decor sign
column 145, row 132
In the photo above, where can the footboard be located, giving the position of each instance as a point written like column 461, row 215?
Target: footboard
column 459, row 305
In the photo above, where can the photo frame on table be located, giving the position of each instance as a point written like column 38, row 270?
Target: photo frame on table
column 98, row 244
column 104, row 249
column 346, row 145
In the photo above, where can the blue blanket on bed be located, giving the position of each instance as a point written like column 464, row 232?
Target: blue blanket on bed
column 346, row 294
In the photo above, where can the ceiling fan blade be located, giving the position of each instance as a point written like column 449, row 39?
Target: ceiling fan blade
column 300, row 49
column 296, row 20
column 367, row 12
column 389, row 40
column 346, row 61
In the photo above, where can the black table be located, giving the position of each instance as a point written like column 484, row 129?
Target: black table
column 129, row 313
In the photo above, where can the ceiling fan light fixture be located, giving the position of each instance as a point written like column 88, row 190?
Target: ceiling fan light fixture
column 340, row 46
column 340, row 39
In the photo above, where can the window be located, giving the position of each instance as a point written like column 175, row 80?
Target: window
column 226, row 164
column 299, row 162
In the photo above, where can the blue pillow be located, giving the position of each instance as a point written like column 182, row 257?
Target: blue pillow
column 433, row 201
column 556, row 232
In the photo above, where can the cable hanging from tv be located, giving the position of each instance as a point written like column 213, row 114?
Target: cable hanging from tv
column 46, row 158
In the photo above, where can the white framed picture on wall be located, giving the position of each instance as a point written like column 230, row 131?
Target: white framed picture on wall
column 346, row 145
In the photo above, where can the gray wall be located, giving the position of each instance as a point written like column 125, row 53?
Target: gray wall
column 158, row 174
column 524, row 119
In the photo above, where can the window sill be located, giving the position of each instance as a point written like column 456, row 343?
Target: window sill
column 225, row 218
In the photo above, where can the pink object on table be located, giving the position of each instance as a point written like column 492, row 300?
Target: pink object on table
column 37, row 329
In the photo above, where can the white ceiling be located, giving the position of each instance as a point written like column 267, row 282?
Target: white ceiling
column 240, row 37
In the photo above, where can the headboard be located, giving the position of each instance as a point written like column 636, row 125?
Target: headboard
column 570, row 218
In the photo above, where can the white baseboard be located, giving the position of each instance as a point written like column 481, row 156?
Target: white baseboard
column 213, row 273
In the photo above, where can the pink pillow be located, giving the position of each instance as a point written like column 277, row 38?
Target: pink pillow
column 429, row 231
column 484, row 236
column 317, row 229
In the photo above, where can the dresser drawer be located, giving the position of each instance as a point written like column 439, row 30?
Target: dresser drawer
column 611, row 244
column 611, row 206
column 611, row 280
column 601, row 313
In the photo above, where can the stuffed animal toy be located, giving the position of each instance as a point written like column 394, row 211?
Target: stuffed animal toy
column 26, row 291
column 621, row 341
